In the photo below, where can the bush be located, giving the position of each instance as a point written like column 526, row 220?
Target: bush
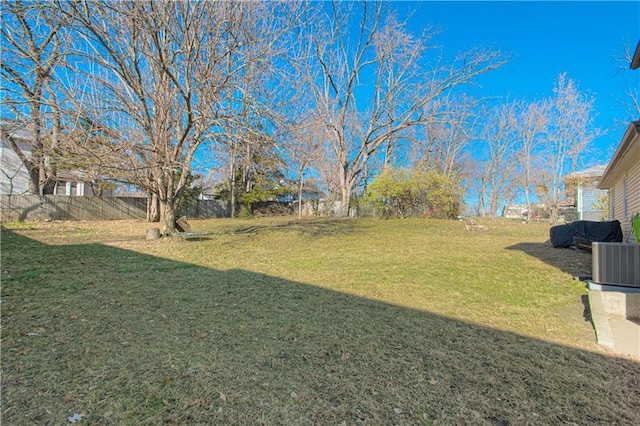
column 406, row 193
column 273, row 208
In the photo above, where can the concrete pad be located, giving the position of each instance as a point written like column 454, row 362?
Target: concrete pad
column 615, row 312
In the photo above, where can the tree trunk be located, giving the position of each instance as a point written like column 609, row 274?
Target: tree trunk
column 153, row 209
column 345, row 189
column 232, row 199
column 555, row 201
column 528, row 203
column 34, row 181
column 553, row 215
column 300, row 196
column 232, row 183
column 493, row 201
column 167, row 199
column 167, row 216
column 343, row 210
column 482, row 207
column 387, row 155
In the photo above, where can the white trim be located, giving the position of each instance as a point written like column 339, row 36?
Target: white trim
column 617, row 288
column 579, row 201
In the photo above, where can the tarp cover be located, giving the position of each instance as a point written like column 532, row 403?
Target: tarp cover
column 595, row 232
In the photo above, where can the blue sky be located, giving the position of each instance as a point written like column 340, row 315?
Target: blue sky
column 545, row 39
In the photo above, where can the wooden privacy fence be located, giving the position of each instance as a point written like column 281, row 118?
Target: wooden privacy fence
column 202, row 209
column 18, row 208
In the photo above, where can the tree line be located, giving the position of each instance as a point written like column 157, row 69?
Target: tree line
column 260, row 93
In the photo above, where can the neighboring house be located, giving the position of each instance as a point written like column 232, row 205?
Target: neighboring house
column 582, row 192
column 14, row 177
column 514, row 212
column 622, row 179
column 310, row 192
column 75, row 184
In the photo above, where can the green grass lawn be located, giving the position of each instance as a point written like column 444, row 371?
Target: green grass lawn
column 325, row 321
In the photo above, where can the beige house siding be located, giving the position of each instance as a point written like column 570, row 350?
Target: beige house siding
column 622, row 179
column 624, row 198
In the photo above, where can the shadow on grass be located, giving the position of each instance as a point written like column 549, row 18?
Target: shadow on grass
column 573, row 262
column 126, row 338
column 309, row 227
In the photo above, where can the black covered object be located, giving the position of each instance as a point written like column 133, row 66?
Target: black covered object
column 594, row 232
column 582, row 244
column 561, row 236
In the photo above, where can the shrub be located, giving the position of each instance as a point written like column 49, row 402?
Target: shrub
column 405, row 193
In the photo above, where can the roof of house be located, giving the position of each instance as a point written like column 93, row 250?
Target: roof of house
column 635, row 61
column 591, row 172
column 15, row 130
column 73, row 176
column 623, row 158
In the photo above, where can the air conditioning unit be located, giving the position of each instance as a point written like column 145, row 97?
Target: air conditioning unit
column 616, row 264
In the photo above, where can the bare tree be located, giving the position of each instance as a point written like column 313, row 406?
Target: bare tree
column 570, row 130
column 531, row 124
column 303, row 150
column 161, row 70
column 501, row 138
column 33, row 48
column 630, row 98
column 250, row 110
column 445, row 142
column 385, row 58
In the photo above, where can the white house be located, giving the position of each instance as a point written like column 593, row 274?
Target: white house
column 14, row 176
column 581, row 189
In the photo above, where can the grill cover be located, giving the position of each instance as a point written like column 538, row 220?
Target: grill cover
column 594, row 232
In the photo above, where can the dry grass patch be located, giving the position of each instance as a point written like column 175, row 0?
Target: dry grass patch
column 277, row 321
